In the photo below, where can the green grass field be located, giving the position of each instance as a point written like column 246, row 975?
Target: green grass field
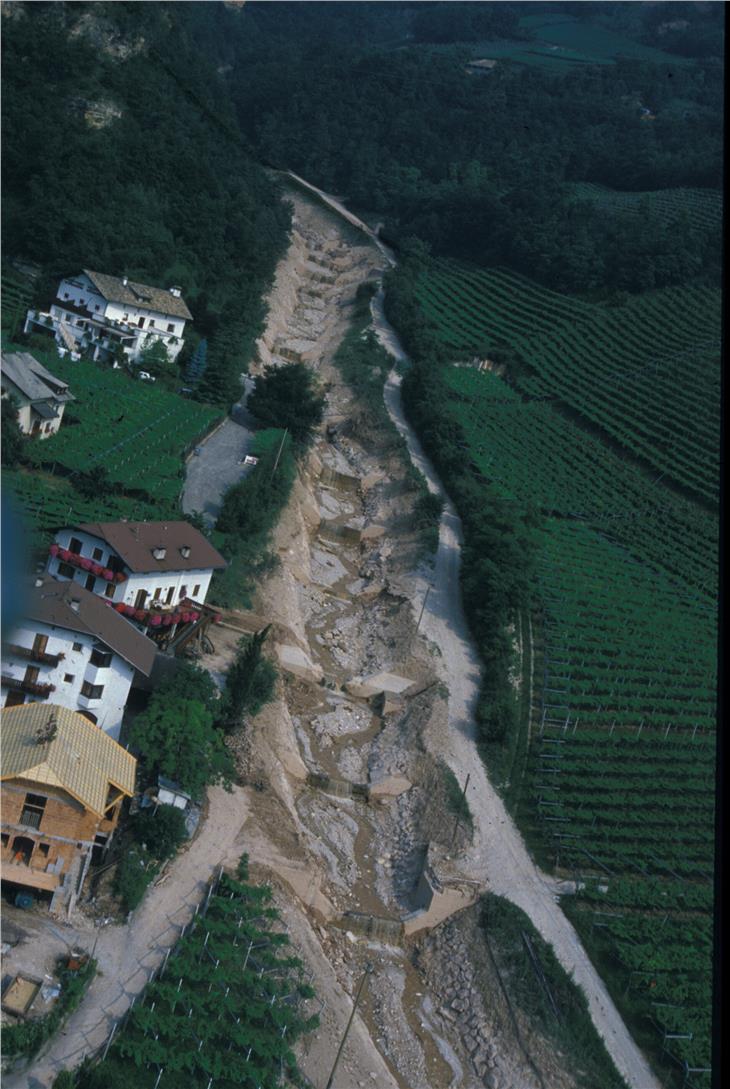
column 646, row 373
column 618, row 780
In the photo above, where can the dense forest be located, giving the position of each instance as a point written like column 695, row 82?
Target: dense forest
column 477, row 166
column 143, row 121
column 121, row 153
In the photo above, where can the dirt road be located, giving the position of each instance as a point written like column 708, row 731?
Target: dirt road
column 498, row 855
column 126, row 954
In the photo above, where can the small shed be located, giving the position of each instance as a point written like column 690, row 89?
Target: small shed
column 169, row 793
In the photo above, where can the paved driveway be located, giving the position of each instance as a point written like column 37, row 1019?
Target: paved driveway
column 211, row 472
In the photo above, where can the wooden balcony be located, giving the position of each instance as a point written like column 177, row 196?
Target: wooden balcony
column 34, row 655
column 32, row 688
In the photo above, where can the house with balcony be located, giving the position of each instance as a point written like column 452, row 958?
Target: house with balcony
column 96, row 315
column 40, row 396
column 156, row 574
column 72, row 649
column 63, row 784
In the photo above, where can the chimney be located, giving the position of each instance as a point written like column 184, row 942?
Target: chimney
column 159, row 553
column 125, row 281
column 39, row 582
column 75, row 604
column 176, row 291
column 185, row 551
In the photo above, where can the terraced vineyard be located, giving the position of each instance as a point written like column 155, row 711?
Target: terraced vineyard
column 703, row 207
column 619, row 778
column 529, row 451
column 646, row 373
column 136, row 431
column 16, row 295
column 46, row 502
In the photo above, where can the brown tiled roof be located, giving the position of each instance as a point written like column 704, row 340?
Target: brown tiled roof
column 51, row 603
column 134, row 542
column 80, row 758
column 141, row 295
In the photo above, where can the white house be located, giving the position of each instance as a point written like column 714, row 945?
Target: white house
column 156, row 574
column 95, row 313
column 40, row 396
column 72, row 649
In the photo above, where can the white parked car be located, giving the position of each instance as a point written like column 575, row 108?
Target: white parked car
column 146, row 377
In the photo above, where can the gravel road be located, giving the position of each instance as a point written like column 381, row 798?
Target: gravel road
column 216, row 467
column 498, row 855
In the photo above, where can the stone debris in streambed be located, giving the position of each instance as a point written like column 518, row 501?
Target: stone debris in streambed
column 351, row 765
column 342, row 720
column 334, row 842
column 327, row 569
column 396, row 1039
column 331, row 507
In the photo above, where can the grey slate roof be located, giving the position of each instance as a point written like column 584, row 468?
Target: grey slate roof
column 32, row 379
column 51, row 603
column 114, row 289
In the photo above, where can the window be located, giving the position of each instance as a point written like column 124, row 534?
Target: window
column 140, row 600
column 170, row 595
column 90, row 582
column 33, row 809
column 39, row 644
column 97, row 307
column 78, row 646
column 74, row 545
column 125, row 317
column 5, row 839
column 66, row 570
column 152, row 323
column 101, row 658
column 196, row 589
column 140, row 323
column 43, row 848
column 97, row 553
column 171, row 328
column 92, row 691
column 82, row 302
column 109, row 589
column 183, row 591
column 66, row 295
column 69, row 678
column 156, row 595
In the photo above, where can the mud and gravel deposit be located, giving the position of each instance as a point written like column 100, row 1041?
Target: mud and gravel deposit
column 348, row 606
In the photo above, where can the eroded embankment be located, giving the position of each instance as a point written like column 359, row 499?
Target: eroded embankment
column 350, row 820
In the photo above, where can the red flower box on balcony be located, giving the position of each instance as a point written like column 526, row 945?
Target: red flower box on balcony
column 85, row 563
column 120, row 607
column 107, row 574
column 54, row 549
column 140, row 614
column 120, row 576
column 166, row 621
column 155, row 621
